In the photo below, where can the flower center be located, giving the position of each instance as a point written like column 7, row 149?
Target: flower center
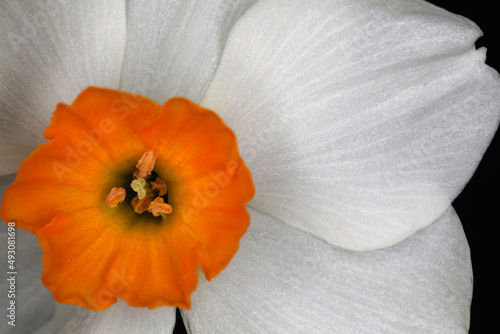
column 176, row 166
column 151, row 190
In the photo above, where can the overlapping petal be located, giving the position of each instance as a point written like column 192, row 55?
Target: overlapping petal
column 173, row 47
column 124, row 319
column 120, row 318
column 361, row 121
column 284, row 280
column 51, row 51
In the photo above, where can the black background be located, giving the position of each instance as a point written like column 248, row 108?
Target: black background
column 477, row 205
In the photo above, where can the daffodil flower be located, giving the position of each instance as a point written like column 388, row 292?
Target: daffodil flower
column 360, row 122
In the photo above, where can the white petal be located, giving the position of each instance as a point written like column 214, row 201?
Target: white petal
column 5, row 181
column 63, row 321
column 360, row 121
column 174, row 47
column 33, row 304
column 49, row 52
column 119, row 318
column 286, row 281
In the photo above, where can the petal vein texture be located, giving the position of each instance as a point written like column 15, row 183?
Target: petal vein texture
column 50, row 51
column 285, row 281
column 360, row 120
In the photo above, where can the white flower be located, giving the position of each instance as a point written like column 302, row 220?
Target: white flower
column 361, row 121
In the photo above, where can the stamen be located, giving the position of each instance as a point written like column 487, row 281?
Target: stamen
column 146, row 163
column 158, row 206
column 144, row 199
column 139, row 187
column 141, row 205
column 116, row 196
column 159, row 185
column 135, row 176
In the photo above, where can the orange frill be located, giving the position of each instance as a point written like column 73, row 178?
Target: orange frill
column 94, row 253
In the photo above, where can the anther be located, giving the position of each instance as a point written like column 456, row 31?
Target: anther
column 141, row 205
column 116, row 196
column 146, row 163
column 159, row 185
column 158, row 206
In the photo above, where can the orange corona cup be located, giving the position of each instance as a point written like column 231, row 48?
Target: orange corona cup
column 108, row 150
